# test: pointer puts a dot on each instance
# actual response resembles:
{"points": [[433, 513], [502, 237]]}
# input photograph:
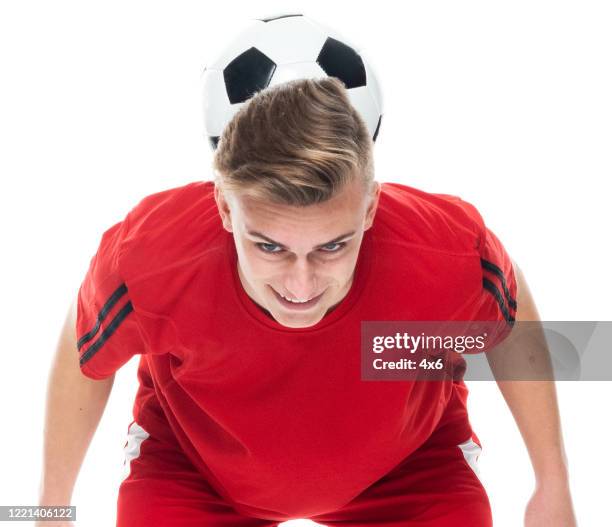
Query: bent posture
{"points": [[244, 296]]}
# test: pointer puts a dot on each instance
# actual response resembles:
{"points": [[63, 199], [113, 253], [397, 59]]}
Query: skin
{"points": [[533, 404], [74, 406], [301, 267]]}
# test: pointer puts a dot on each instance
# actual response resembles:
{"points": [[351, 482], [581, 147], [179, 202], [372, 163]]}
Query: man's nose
{"points": [[301, 280]]}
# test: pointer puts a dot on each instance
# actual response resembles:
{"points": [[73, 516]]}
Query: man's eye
{"points": [[272, 248], [269, 247], [333, 247]]}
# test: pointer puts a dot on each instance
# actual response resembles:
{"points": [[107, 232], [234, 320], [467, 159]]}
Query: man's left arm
{"points": [[533, 404]]}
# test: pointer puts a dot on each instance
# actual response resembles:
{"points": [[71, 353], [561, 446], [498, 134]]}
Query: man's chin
{"points": [[295, 325], [297, 320]]}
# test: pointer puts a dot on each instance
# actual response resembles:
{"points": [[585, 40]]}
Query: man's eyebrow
{"points": [[270, 240]]}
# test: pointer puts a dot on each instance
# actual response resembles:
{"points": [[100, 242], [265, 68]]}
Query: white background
{"points": [[506, 104]]}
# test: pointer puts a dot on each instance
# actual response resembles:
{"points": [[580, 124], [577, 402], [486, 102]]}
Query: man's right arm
{"points": [[74, 407]]}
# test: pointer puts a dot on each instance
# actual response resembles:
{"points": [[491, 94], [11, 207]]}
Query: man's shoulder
{"points": [[438, 221], [157, 208], [170, 226]]}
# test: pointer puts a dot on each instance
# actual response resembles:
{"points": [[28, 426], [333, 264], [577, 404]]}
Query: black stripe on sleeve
{"points": [[108, 331], [106, 308], [492, 288], [490, 266]]}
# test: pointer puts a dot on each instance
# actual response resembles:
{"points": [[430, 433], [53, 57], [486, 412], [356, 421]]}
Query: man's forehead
{"points": [[272, 220], [288, 225], [348, 200]]}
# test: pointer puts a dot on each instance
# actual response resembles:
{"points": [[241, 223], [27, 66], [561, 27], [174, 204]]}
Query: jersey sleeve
{"points": [[497, 287], [107, 331], [498, 299]]}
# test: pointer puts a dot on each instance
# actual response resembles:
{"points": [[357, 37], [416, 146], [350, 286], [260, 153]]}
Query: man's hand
{"points": [[550, 506]]}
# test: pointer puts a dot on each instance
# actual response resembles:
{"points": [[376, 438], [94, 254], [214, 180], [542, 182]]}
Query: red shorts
{"points": [[436, 486]]}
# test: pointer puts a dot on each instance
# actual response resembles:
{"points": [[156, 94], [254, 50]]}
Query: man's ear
{"points": [[224, 210], [373, 206]]}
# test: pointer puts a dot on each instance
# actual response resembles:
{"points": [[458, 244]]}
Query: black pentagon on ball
{"points": [[214, 141], [342, 61], [377, 129], [247, 74], [278, 17]]}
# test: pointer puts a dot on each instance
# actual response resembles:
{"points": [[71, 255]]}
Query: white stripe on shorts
{"points": [[136, 435], [471, 451]]}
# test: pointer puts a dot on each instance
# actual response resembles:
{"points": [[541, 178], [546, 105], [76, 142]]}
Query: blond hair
{"points": [[296, 143]]}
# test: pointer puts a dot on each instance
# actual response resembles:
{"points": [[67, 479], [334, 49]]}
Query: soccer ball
{"points": [[278, 49]]}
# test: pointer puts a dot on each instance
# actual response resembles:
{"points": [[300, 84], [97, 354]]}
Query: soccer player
{"points": [[244, 297]]}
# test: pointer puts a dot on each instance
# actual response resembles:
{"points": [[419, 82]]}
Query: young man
{"points": [[244, 297]]}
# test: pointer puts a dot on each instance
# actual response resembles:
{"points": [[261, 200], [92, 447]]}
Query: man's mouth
{"points": [[297, 304]]}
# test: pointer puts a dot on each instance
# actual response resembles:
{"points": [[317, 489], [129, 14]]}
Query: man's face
{"points": [[299, 253]]}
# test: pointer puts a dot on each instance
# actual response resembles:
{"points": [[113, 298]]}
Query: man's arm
{"points": [[74, 407], [533, 404]]}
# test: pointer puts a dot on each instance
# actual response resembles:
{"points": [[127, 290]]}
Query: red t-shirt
{"points": [[278, 418]]}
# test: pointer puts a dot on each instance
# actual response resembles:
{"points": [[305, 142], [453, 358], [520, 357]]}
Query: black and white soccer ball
{"points": [[278, 49]]}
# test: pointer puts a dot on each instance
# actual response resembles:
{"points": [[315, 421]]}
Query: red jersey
{"points": [[277, 418]]}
